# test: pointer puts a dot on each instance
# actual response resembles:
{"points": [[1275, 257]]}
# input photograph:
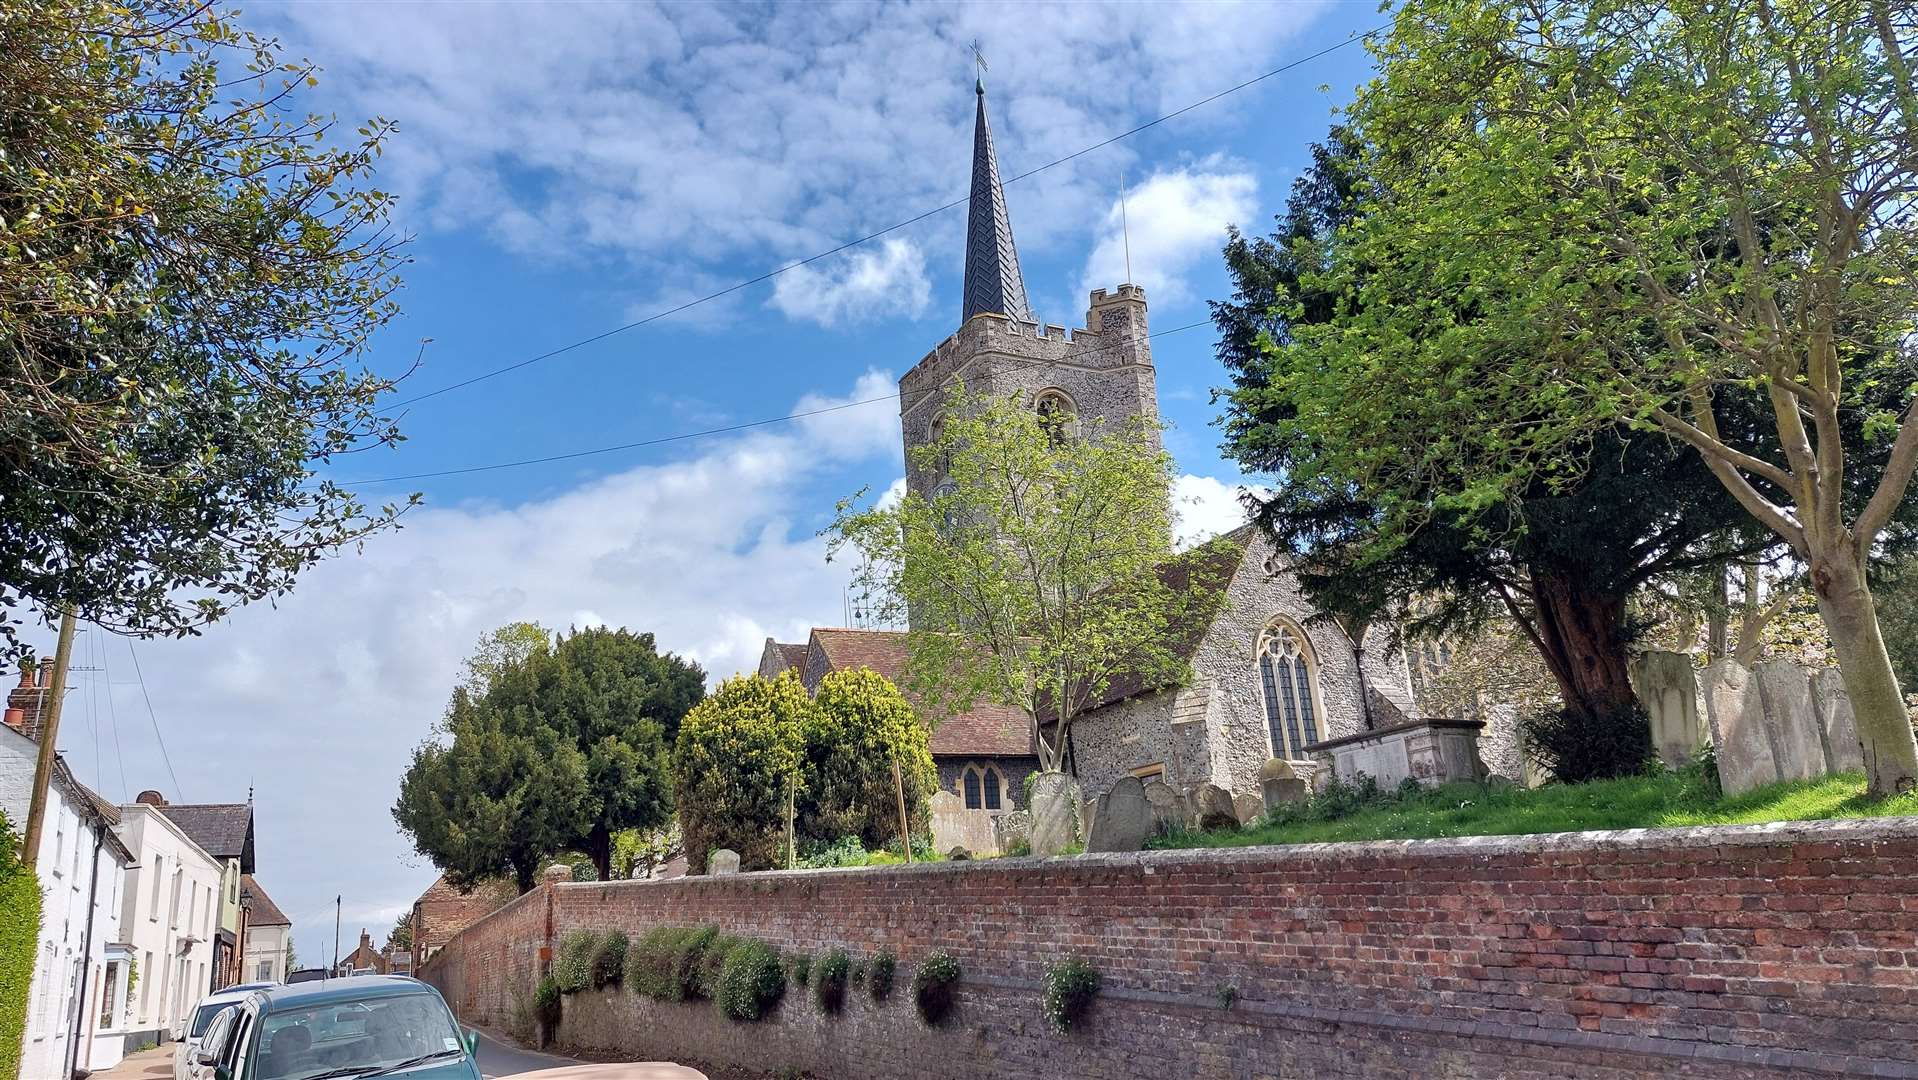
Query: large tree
{"points": [[564, 749], [190, 266], [1657, 212], [1560, 561], [1040, 573]]}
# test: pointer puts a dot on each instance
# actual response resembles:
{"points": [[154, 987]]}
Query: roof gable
{"points": [[223, 830], [261, 910]]}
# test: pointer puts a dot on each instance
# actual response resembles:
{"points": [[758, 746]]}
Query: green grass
{"points": [[1653, 801]]}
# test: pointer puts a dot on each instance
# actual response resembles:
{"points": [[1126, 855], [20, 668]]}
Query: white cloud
{"points": [[682, 140], [1203, 508], [869, 283], [1174, 219]]}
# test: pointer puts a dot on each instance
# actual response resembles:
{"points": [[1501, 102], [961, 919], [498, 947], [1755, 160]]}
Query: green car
{"points": [[363, 1026]]}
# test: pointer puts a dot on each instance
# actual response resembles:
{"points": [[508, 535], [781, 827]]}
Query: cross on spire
{"points": [[979, 66]]}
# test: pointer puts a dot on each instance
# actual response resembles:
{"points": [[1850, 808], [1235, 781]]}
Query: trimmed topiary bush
{"points": [[879, 974], [573, 967], [19, 938], [609, 960], [829, 978], [736, 754], [1071, 985], [711, 962], [751, 980], [932, 987]]}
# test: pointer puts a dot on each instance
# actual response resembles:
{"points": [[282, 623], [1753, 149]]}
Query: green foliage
{"points": [[850, 851], [860, 724], [19, 937], [1227, 994], [1008, 601], [673, 963], [932, 987], [829, 978], [499, 650], [400, 937], [709, 954], [565, 748], [879, 973], [1575, 748], [799, 968], [546, 1004], [750, 982], [608, 963], [738, 754], [573, 966], [637, 853], [191, 265], [1070, 986]]}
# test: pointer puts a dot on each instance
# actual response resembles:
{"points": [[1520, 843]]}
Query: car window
{"points": [[213, 1039], [236, 1040], [204, 1015], [375, 1033]]}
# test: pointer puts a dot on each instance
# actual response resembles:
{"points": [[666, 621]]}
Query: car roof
{"points": [[330, 991], [227, 996]]}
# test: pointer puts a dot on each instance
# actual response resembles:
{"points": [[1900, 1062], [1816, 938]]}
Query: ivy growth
{"points": [[1070, 984], [932, 987]]}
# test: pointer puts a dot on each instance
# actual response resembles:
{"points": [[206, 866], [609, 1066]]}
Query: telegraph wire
{"points": [[914, 220], [178, 794], [113, 715], [747, 426]]}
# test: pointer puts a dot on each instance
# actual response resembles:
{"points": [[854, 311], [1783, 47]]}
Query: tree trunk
{"points": [[599, 848], [525, 875], [1718, 636], [1582, 633], [1884, 726]]}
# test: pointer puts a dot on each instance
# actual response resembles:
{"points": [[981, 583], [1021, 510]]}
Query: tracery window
{"points": [[1057, 412], [1289, 678], [983, 787]]}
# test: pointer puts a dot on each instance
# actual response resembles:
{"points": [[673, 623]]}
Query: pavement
{"points": [[154, 1064]]}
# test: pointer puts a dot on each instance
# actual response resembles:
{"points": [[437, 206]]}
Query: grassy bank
{"points": [[1662, 800]]}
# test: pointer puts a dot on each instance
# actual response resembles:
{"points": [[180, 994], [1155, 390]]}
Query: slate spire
{"points": [[993, 281]]}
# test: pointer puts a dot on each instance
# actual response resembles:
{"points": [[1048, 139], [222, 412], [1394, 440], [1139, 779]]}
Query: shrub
{"points": [[573, 967], [546, 1007], [1071, 985], [19, 936], [649, 963], [736, 753], [829, 978], [932, 987], [707, 959], [846, 851], [859, 725], [750, 980], [1576, 748], [609, 960], [799, 968], [690, 959], [879, 974]]}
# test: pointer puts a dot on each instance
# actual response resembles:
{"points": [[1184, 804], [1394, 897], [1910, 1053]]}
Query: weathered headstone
{"points": [[1011, 829], [1123, 821], [1281, 784], [1843, 751], [1791, 723], [1668, 688], [1212, 805], [1168, 806], [1732, 708], [723, 861], [1247, 807], [1054, 810], [955, 826]]}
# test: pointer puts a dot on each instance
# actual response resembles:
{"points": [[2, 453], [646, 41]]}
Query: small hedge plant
{"points": [[1071, 985], [879, 974], [546, 1008], [932, 987], [669, 962], [751, 981], [799, 969], [19, 938], [609, 960], [573, 967], [829, 978]]}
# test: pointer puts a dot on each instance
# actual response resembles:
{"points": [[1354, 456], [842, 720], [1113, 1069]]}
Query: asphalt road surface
{"points": [[499, 1059]]}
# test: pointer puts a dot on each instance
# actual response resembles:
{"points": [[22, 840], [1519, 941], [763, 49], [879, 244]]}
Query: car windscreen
{"points": [[374, 1033], [205, 1014]]}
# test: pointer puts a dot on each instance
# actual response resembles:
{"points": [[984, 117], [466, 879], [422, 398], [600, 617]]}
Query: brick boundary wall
{"points": [[1738, 951]]}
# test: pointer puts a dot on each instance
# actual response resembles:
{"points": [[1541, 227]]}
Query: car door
{"points": [[239, 1041], [212, 1040]]}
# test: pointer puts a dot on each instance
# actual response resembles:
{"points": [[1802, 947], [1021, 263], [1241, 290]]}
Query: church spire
{"points": [[993, 281]]}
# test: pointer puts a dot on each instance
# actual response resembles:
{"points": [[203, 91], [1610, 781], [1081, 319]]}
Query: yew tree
{"points": [[1654, 211]]}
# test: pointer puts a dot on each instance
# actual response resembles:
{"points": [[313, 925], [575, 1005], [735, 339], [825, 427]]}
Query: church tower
{"points": [[1102, 372]]}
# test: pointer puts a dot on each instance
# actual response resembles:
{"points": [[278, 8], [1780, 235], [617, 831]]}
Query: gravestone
{"points": [[1054, 813], [1668, 688], [723, 861], [1123, 820], [1168, 807], [1281, 784], [1011, 829], [1738, 728], [955, 826], [1791, 724], [1212, 805], [1248, 808], [1843, 751]]}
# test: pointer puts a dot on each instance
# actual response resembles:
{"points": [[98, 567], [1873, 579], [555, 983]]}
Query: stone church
{"points": [[1269, 680]]}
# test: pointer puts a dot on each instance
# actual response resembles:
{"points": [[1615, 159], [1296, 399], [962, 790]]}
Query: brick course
{"points": [[1748, 951]]}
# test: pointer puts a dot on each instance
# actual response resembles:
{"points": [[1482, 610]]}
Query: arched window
{"points": [[972, 789], [983, 787], [1290, 681], [1057, 412]]}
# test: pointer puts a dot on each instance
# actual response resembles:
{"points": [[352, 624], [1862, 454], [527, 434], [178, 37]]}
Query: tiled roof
{"points": [[223, 830], [792, 655], [993, 281], [261, 910], [985, 730]]}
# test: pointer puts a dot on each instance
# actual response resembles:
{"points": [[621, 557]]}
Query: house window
{"points": [[109, 992], [153, 910], [983, 786], [1290, 682], [1057, 413]]}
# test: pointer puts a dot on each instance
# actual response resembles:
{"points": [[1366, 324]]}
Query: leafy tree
{"points": [[292, 958], [639, 853], [401, 936], [510, 645], [1656, 213], [1038, 574], [190, 267], [860, 724], [1557, 561], [737, 760], [564, 749]]}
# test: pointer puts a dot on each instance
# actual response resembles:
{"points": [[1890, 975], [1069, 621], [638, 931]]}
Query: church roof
{"points": [[993, 281], [985, 730]]}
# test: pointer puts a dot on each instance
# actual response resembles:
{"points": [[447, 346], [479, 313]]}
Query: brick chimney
{"points": [[27, 702], [151, 798]]}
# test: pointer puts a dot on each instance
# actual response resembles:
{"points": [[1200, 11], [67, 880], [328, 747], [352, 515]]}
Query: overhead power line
{"points": [[747, 426], [913, 220], [154, 717]]}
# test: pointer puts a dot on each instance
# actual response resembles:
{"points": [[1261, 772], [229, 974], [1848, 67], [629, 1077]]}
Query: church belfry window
{"points": [[1057, 413], [1289, 681]]}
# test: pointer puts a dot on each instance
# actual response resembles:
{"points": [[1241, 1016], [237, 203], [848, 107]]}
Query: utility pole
{"points": [[49, 734], [336, 937]]}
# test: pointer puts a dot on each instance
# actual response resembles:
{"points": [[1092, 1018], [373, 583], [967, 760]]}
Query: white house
{"points": [[266, 932], [79, 972], [168, 918]]}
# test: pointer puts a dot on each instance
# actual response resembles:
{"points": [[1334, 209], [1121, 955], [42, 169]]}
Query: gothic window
{"points": [[983, 786], [972, 789], [1289, 679], [1057, 412]]}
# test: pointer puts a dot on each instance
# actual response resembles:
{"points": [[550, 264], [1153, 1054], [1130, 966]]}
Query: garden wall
{"points": [[1745, 951]]}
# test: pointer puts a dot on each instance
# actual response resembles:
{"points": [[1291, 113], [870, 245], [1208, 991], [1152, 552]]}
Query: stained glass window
{"points": [[1287, 677]]}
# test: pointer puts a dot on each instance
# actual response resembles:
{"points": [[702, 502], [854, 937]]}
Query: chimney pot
{"points": [[151, 798], [17, 719]]}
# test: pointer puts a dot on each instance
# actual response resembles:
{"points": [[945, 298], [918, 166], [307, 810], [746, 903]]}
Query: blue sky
{"points": [[568, 169]]}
